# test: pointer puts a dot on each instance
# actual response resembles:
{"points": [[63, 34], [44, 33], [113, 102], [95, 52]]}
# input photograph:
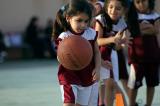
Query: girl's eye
{"points": [[86, 21], [80, 20], [110, 7], [118, 8]]}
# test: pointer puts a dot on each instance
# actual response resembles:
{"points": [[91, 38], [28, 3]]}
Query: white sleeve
{"points": [[99, 18], [89, 34], [63, 35]]}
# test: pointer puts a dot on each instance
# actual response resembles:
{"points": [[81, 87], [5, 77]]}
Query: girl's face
{"points": [[98, 8], [115, 9], [79, 22], [142, 6]]}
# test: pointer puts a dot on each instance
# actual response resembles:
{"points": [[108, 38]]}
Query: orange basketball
{"points": [[74, 52]]}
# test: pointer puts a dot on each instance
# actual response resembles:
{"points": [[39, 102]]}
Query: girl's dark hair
{"points": [[107, 21], [74, 8], [123, 2], [151, 4], [59, 23], [132, 20]]}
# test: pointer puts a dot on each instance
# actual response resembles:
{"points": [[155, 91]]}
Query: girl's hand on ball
{"points": [[96, 74]]}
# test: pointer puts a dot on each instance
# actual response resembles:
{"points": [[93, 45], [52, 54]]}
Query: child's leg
{"points": [[124, 84], [152, 80], [132, 93], [126, 89], [123, 73], [109, 92], [69, 104], [101, 94], [111, 89], [135, 81], [114, 76], [104, 75], [150, 95]]}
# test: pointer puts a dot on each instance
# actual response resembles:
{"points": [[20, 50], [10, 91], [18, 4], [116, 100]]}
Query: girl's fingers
{"points": [[93, 73], [96, 75]]}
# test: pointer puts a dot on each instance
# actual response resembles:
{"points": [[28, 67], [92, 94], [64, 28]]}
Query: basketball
{"points": [[74, 52]]}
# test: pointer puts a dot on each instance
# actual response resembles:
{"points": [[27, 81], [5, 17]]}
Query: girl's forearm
{"points": [[97, 56], [105, 41]]}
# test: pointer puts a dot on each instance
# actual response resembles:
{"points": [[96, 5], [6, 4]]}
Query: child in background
{"points": [[78, 88], [112, 33], [144, 58], [98, 7]]}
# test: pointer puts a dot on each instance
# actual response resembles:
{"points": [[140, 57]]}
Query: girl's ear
{"points": [[68, 18]]}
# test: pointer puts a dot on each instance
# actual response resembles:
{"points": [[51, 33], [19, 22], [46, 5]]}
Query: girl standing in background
{"points": [[112, 35], [144, 58]]}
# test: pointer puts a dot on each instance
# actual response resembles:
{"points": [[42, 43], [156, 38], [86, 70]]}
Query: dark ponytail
{"points": [[151, 4], [60, 22], [132, 20]]}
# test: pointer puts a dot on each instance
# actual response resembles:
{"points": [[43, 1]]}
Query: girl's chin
{"points": [[114, 18], [80, 31]]}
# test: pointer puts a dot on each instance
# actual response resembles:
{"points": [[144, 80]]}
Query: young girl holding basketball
{"points": [[78, 88], [112, 35], [144, 53]]}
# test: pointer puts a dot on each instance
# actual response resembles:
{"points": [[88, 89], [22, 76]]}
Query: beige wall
{"points": [[15, 14]]}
